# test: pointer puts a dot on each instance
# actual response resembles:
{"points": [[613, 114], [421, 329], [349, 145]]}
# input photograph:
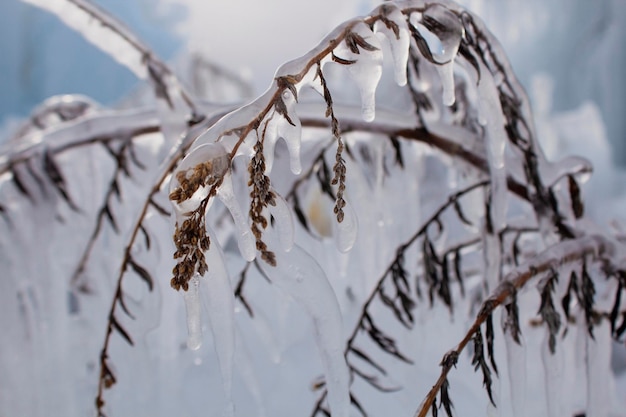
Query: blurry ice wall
{"points": [[40, 56]]}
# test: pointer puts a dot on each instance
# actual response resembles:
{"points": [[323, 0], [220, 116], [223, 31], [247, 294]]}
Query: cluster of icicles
{"points": [[296, 271]]}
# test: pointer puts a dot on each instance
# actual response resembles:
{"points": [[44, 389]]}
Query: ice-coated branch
{"points": [[595, 248], [113, 38]]}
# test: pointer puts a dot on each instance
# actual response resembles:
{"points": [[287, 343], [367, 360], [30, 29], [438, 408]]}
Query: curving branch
{"points": [[594, 247]]}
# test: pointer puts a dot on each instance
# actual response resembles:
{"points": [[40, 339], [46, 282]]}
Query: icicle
{"points": [[553, 373], [446, 74], [599, 373], [492, 258], [284, 123], [516, 360], [346, 231], [367, 68], [283, 221], [298, 274], [217, 294], [245, 240], [292, 133], [496, 139], [399, 44], [442, 30], [194, 322], [214, 158]]}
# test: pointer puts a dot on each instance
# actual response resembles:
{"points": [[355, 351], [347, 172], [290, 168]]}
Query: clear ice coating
{"points": [[346, 231], [553, 375], [399, 44], [367, 68], [447, 29], [215, 157], [284, 222], [218, 297], [516, 360], [299, 274], [245, 240], [286, 126], [194, 312], [442, 30], [496, 139]]}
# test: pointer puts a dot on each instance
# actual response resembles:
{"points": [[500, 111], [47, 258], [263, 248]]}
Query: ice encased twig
{"points": [[399, 44], [212, 153], [367, 68]]}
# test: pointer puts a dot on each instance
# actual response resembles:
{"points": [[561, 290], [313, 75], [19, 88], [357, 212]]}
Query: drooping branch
{"points": [[596, 247]]}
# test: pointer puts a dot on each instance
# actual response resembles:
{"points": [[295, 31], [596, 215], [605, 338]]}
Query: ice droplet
{"points": [[314, 293], [217, 294], [346, 231], [399, 44], [215, 158], [245, 240], [194, 322], [367, 68], [447, 30]]}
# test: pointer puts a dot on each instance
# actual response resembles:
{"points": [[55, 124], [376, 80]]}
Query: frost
{"points": [[367, 68], [298, 274], [245, 240]]}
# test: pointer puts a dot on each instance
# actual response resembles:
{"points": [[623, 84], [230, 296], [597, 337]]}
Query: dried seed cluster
{"points": [[191, 242], [339, 179], [190, 237], [201, 175], [261, 196]]}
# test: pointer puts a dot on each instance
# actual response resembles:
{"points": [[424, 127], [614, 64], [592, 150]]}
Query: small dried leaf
{"points": [[342, 61], [143, 273], [115, 325]]}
